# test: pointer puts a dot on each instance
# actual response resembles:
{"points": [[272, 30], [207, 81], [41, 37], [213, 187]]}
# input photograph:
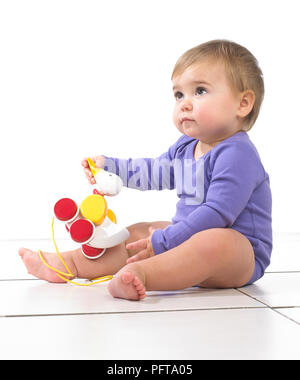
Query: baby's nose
{"points": [[186, 105]]}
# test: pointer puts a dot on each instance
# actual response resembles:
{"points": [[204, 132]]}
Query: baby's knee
{"points": [[211, 241], [138, 231]]}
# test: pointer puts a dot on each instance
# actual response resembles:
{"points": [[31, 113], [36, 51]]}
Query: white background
{"points": [[93, 77]]}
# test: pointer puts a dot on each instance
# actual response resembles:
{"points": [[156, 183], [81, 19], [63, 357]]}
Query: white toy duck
{"points": [[93, 225]]}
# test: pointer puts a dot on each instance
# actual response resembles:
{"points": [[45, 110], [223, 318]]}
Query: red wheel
{"points": [[82, 231], [65, 209], [92, 252]]}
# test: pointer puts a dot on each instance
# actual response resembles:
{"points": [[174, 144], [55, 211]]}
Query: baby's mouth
{"points": [[186, 119]]}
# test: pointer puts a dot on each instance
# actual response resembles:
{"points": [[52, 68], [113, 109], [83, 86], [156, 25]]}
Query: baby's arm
{"points": [[235, 174], [141, 173], [145, 173]]}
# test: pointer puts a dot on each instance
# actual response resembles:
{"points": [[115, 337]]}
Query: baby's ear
{"points": [[247, 100]]}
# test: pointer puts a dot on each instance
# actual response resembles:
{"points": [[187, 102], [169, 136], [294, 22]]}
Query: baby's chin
{"points": [[193, 132], [199, 132], [206, 135]]}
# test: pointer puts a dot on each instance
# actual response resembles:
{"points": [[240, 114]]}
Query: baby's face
{"points": [[206, 107]]}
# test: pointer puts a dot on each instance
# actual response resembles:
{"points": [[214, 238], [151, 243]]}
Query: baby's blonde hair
{"points": [[241, 67]]}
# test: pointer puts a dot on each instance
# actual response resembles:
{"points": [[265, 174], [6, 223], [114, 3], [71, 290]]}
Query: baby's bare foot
{"points": [[128, 284], [37, 268]]}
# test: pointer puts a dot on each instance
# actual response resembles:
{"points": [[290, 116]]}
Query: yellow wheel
{"points": [[94, 208]]}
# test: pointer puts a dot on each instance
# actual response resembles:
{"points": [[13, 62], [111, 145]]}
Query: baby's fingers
{"points": [[91, 179], [139, 244], [139, 256], [88, 174], [85, 163]]}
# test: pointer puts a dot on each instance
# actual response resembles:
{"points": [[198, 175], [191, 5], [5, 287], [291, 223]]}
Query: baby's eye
{"points": [[178, 95], [200, 91]]}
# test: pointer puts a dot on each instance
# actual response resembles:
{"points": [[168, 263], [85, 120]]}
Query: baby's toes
{"points": [[127, 277], [140, 288]]}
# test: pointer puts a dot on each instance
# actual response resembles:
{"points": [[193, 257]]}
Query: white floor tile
{"points": [[291, 312], [206, 334], [36, 297], [52, 321], [276, 289]]}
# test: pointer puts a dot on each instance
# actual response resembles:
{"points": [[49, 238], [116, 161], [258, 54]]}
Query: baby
{"points": [[221, 235]]}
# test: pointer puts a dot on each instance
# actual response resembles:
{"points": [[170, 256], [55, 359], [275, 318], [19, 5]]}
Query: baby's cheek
{"points": [[176, 120], [205, 116]]}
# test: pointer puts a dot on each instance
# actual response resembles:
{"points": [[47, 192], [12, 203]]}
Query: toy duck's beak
{"points": [[93, 167]]}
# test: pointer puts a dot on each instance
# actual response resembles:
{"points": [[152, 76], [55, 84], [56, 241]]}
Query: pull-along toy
{"points": [[92, 224]]}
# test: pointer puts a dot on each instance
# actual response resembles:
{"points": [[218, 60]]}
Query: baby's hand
{"points": [[99, 163], [145, 247]]}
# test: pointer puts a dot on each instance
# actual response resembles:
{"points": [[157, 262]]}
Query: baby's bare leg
{"points": [[218, 258], [110, 263], [114, 258]]}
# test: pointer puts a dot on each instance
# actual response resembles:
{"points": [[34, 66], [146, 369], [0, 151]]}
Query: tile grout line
{"points": [[290, 271], [271, 308], [30, 279], [129, 312], [283, 315], [256, 299]]}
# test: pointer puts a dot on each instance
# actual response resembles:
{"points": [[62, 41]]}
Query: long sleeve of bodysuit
{"points": [[234, 172], [145, 173]]}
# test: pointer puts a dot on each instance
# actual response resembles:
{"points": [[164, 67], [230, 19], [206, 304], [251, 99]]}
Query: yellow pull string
{"points": [[57, 251], [93, 282], [54, 269], [69, 274]]}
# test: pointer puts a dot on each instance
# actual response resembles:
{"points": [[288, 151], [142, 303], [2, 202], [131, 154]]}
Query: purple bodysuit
{"points": [[226, 188]]}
